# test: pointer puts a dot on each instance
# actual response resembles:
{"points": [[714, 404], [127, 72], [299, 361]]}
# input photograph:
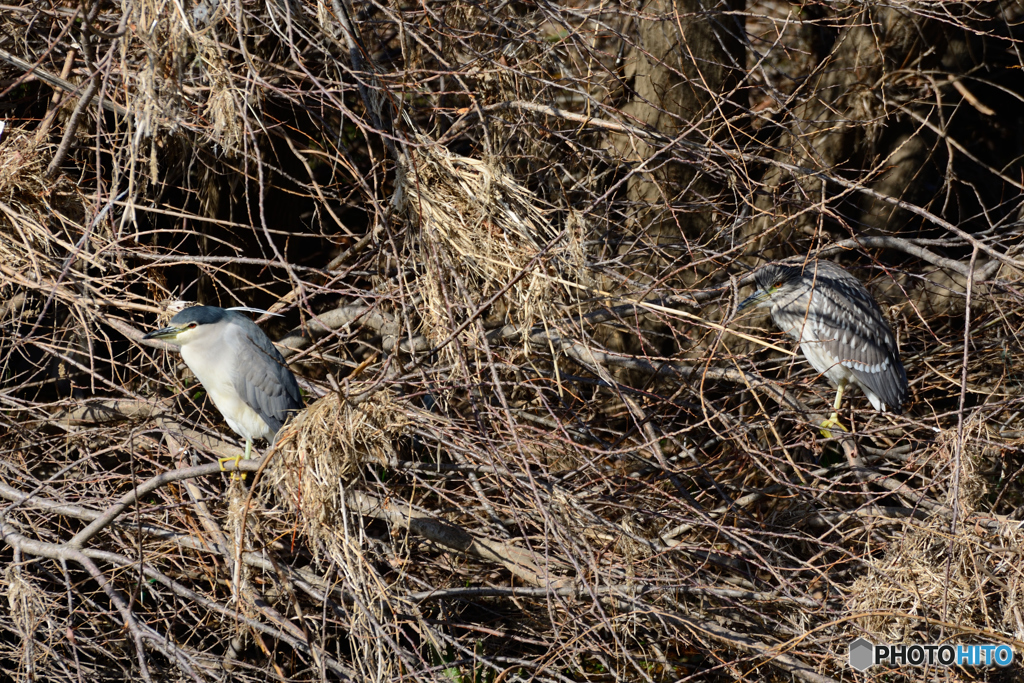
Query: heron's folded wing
{"points": [[263, 380], [863, 341]]}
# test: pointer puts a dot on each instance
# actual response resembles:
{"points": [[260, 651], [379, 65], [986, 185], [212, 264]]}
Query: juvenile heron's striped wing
{"points": [[853, 331]]}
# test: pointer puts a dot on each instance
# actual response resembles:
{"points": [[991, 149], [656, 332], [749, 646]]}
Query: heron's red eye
{"points": [[191, 326]]}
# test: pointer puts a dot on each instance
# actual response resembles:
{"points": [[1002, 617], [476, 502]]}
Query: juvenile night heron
{"points": [[841, 330], [239, 367]]}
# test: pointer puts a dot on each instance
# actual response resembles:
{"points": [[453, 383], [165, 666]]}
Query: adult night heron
{"points": [[239, 367], [841, 330]]}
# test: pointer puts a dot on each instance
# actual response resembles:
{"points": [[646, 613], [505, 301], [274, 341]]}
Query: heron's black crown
{"points": [[773, 275], [203, 315]]}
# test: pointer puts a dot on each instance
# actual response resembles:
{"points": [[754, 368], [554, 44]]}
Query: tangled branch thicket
{"points": [[505, 242]]}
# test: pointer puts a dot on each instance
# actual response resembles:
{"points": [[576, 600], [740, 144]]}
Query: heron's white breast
{"points": [[213, 373]]}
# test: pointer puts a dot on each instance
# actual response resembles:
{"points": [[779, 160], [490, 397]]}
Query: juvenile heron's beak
{"points": [[755, 299], [167, 333]]}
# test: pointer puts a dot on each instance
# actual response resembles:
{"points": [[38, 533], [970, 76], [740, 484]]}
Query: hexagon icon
{"points": [[862, 654]]}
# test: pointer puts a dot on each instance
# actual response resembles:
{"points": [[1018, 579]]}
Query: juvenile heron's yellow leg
{"points": [[238, 458], [834, 420]]}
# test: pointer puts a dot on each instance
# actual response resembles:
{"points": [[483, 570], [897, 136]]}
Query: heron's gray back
{"points": [[259, 373], [841, 316]]}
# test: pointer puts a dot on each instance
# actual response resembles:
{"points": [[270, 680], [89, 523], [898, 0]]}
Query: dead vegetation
{"points": [[506, 240]]}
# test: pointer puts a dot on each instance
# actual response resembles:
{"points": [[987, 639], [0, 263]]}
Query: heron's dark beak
{"points": [[167, 333], [755, 299]]}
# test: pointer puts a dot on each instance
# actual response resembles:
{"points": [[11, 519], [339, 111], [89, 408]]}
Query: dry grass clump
{"points": [[29, 608], [480, 230], [321, 452], [971, 489], [927, 571], [39, 226], [1012, 598], [21, 165], [924, 572], [26, 198]]}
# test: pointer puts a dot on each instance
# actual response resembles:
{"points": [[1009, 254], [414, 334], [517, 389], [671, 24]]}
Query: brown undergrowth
{"points": [[531, 448]]}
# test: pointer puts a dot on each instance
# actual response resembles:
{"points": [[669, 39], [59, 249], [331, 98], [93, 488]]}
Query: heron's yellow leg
{"points": [[238, 458], [834, 420]]}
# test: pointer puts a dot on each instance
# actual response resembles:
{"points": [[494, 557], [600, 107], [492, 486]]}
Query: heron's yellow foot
{"points": [[237, 460], [830, 423]]}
